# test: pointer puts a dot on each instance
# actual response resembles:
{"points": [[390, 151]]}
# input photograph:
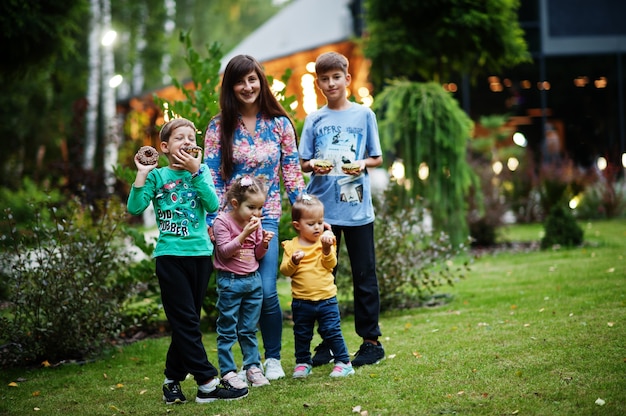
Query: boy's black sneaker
{"points": [[173, 394], [368, 354], [323, 355], [221, 393]]}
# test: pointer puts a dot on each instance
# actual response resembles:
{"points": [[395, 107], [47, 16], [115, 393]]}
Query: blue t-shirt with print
{"points": [[342, 136]]}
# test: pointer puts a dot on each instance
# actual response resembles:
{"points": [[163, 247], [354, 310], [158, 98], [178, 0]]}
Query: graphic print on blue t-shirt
{"points": [[341, 147]]}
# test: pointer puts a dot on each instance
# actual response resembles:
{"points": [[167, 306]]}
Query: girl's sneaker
{"points": [[301, 370], [231, 379], [342, 370], [256, 378]]}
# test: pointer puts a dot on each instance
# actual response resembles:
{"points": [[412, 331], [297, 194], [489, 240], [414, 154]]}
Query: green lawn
{"points": [[527, 333]]}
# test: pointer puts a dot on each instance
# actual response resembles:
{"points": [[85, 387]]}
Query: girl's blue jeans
{"points": [[239, 300]]}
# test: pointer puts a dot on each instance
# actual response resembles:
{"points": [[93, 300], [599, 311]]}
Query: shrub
{"points": [[411, 262], [64, 295], [561, 229]]}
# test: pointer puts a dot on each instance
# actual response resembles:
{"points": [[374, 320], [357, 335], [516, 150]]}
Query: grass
{"points": [[527, 333]]}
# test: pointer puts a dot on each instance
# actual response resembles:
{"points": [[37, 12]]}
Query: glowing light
{"points": [[115, 81], [512, 164], [293, 105], [363, 92], [309, 96], [600, 82], [624, 160], [397, 169], [109, 37], [423, 171], [277, 86], [519, 139], [601, 163], [497, 167], [367, 101], [573, 203], [310, 67], [525, 84], [581, 81]]}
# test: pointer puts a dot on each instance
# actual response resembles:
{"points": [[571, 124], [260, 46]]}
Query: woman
{"points": [[253, 135]]}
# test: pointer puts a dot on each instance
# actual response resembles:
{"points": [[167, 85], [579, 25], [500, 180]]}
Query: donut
{"points": [[351, 167], [147, 155], [193, 150]]}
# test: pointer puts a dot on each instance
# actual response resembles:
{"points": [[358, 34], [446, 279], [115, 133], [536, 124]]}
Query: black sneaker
{"points": [[173, 394], [323, 355], [221, 393], [368, 354]]}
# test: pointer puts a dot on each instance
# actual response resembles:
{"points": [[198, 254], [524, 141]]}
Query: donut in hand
{"points": [[147, 155]]}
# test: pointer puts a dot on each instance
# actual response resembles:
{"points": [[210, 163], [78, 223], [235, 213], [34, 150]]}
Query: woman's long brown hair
{"points": [[237, 68]]}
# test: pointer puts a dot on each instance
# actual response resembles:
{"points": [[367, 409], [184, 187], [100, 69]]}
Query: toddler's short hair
{"points": [[305, 203], [166, 130], [329, 61]]}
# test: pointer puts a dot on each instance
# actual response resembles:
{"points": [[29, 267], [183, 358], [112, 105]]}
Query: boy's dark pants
{"points": [[184, 282], [360, 245]]}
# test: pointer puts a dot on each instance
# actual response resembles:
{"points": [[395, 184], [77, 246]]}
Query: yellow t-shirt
{"points": [[312, 278]]}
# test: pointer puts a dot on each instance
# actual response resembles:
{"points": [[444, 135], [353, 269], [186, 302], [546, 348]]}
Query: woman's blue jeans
{"points": [[271, 322]]}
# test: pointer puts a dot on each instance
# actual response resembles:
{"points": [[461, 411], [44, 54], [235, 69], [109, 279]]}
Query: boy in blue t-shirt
{"points": [[339, 141]]}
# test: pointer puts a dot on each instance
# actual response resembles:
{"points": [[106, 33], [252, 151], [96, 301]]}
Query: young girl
{"points": [[309, 260], [241, 242]]}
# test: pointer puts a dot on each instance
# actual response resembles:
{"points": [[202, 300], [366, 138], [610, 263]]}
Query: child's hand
{"points": [[328, 239], [187, 161], [252, 225], [144, 168], [297, 256], [267, 236]]}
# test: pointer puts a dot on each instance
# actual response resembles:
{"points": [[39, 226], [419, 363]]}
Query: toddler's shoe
{"points": [[256, 378], [342, 370], [301, 370]]}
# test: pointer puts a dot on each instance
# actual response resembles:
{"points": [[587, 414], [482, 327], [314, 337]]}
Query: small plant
{"points": [[561, 229], [411, 262], [63, 293]]}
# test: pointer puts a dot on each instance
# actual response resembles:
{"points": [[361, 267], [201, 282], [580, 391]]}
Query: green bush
{"points": [[411, 262], [561, 229], [64, 295]]}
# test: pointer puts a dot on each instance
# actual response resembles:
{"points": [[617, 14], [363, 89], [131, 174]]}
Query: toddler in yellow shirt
{"points": [[309, 259]]}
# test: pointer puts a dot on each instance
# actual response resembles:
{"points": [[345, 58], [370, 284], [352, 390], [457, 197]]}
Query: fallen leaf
{"points": [[364, 413], [391, 356], [407, 326], [542, 309], [513, 306], [36, 393], [461, 393], [104, 375], [526, 325], [610, 324], [356, 409], [143, 391], [600, 402], [13, 384], [45, 363], [611, 270], [514, 412], [36, 409], [417, 354], [119, 386]]}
